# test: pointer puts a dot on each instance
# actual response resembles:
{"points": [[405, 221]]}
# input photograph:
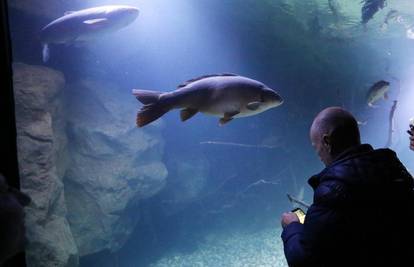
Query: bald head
{"points": [[333, 131]]}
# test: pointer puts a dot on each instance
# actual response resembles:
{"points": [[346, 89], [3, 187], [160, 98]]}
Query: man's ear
{"points": [[326, 140]]}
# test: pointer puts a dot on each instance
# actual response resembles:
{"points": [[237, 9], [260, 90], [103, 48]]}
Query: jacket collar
{"points": [[348, 154]]}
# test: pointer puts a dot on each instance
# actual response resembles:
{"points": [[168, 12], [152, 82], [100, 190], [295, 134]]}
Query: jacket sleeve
{"points": [[304, 244]]}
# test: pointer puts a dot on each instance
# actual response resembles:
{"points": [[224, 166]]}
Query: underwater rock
{"points": [[192, 175], [41, 143], [113, 165], [187, 182]]}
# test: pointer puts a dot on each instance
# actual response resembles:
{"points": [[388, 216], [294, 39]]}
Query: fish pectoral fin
{"points": [[253, 105], [187, 113], [95, 21], [230, 114], [224, 120]]}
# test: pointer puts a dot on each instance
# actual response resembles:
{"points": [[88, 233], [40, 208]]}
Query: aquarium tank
{"points": [[118, 177]]}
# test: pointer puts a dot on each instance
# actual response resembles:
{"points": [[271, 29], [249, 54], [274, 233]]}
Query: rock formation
{"points": [[84, 163], [41, 153], [113, 165]]}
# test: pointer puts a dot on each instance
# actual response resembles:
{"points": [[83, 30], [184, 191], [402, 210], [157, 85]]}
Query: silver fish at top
{"points": [[377, 91], [86, 24], [369, 9], [226, 96]]}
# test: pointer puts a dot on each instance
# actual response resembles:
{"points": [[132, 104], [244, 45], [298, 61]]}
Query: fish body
{"points": [[369, 9], [377, 91], [391, 15], [226, 96], [86, 24]]}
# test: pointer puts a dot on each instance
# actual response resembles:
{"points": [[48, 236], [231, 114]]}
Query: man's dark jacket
{"points": [[362, 214]]}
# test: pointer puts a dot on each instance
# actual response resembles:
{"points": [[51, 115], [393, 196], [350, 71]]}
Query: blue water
{"points": [[226, 186]]}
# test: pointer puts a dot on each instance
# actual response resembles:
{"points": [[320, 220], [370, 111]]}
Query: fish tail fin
{"points": [[146, 96], [150, 113], [153, 108], [45, 53]]}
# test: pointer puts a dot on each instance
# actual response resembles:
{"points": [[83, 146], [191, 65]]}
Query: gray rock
{"points": [[40, 141], [190, 178], [83, 162], [187, 183], [113, 165]]}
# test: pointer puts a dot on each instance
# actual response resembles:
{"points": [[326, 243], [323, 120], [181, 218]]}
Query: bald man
{"points": [[363, 205]]}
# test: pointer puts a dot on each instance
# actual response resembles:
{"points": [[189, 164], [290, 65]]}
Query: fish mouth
{"points": [[129, 15], [270, 96], [132, 11], [277, 100], [280, 100]]}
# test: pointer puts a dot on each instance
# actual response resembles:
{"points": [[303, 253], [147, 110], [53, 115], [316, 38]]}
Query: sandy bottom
{"points": [[263, 248]]}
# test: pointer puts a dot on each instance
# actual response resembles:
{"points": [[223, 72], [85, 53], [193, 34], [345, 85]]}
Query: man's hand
{"points": [[289, 217]]}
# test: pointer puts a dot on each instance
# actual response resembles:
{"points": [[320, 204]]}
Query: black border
{"points": [[8, 145]]}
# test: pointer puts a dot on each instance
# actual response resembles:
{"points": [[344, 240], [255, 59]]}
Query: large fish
{"points": [[377, 91], [86, 24], [369, 9], [227, 96]]}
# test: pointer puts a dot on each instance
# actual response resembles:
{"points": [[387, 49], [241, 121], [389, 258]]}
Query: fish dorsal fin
{"points": [[95, 21], [184, 84], [68, 12]]}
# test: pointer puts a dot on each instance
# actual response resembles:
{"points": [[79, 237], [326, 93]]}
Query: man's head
{"points": [[333, 131]]}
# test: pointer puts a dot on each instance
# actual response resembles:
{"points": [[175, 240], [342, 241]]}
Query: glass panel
{"points": [[201, 192]]}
